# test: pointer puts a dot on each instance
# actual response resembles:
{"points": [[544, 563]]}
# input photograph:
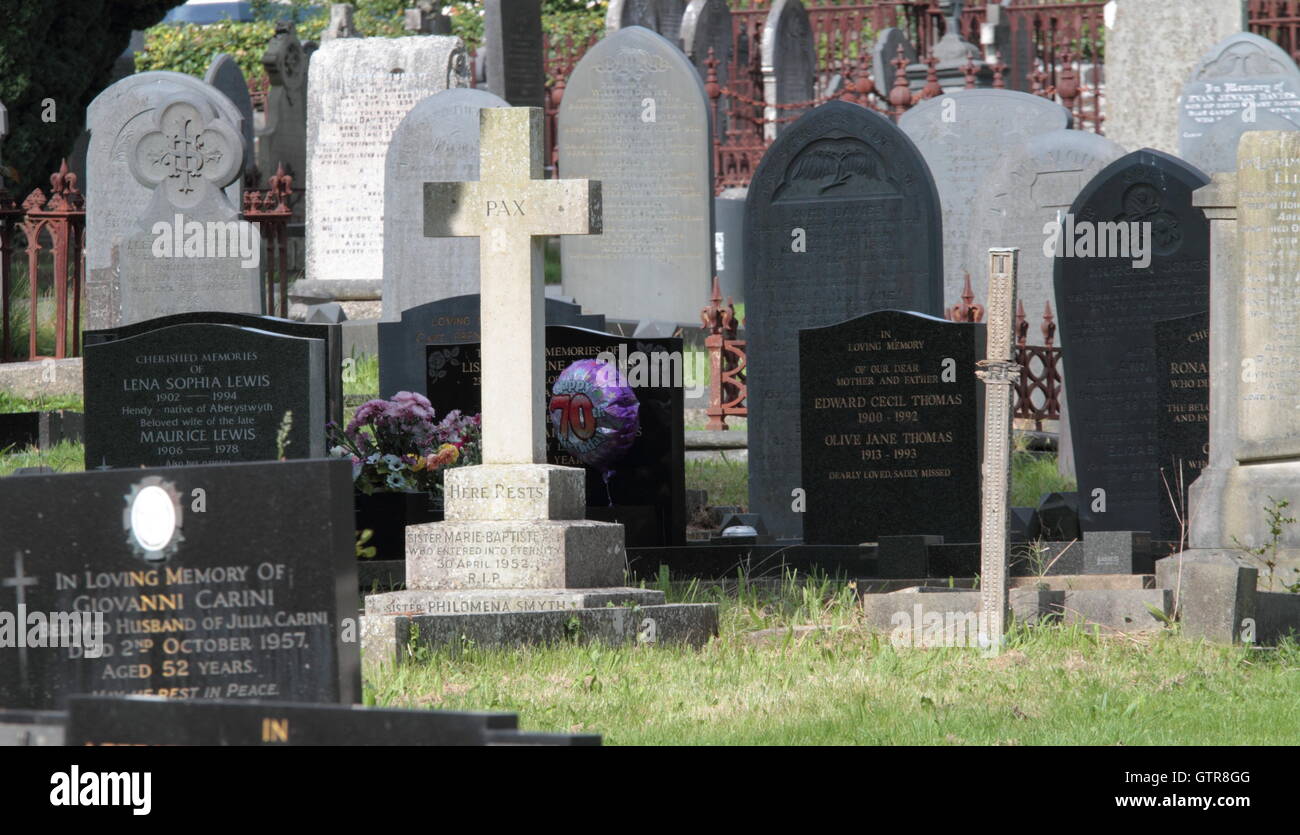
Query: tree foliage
{"points": [[59, 53]]}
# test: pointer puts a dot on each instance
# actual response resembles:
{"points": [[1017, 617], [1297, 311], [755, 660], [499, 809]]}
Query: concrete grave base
{"points": [[42, 378], [1121, 609], [396, 638], [32, 727]]}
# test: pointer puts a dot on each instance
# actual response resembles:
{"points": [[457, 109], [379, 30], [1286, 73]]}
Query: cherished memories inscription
{"points": [[157, 400]]}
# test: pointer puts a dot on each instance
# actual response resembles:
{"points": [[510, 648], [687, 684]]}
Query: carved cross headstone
{"points": [[187, 156], [509, 208], [999, 373]]}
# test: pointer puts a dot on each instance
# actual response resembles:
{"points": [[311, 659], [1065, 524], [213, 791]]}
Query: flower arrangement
{"points": [[396, 444]]}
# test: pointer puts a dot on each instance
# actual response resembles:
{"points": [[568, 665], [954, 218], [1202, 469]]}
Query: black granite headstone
{"points": [[647, 492], [842, 219], [332, 334], [103, 720], [513, 37], [451, 320], [232, 581], [40, 429], [1183, 430], [890, 421], [201, 393], [1108, 301]]}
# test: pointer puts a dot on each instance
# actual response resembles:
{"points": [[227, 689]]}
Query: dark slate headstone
{"points": [[402, 361], [648, 490], [105, 720], [40, 429], [707, 26], [890, 418], [1183, 429], [1244, 83], [1058, 517], [513, 36], [789, 55], [203, 393], [883, 55], [963, 136], [842, 219], [224, 74], [1107, 308], [231, 581]]}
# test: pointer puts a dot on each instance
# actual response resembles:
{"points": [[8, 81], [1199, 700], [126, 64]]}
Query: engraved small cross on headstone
{"points": [[999, 373], [509, 209], [19, 583]]}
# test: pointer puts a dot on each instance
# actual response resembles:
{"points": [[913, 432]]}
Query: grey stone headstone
{"points": [[1244, 83], [283, 139], [437, 142], [330, 313], [962, 136], [340, 25], [513, 38], [653, 329], [224, 74], [841, 167], [1032, 184], [789, 58], [662, 16], [729, 243], [884, 53], [116, 199], [634, 117], [359, 90]]}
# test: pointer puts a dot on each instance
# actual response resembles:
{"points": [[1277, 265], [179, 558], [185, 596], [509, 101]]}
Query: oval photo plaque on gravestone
{"points": [[1108, 303], [842, 219]]}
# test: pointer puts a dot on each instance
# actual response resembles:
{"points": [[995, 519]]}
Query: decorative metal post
{"points": [[1000, 374]]}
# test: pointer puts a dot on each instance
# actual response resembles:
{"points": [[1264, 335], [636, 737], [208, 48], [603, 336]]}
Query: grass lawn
{"points": [[764, 682]]}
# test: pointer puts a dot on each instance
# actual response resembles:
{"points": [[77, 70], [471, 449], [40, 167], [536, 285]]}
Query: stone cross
{"points": [[509, 209], [999, 373]]}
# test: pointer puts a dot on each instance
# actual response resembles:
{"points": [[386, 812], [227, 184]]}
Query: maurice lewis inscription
{"points": [[155, 400]]}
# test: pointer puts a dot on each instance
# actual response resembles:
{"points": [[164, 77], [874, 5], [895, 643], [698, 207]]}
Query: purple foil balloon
{"points": [[594, 414]]}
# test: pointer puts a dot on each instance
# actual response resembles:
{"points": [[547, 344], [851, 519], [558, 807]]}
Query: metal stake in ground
{"points": [[999, 373]]}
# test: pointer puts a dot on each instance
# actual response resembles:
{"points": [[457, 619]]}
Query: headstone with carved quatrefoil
{"points": [[115, 197], [189, 251]]}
